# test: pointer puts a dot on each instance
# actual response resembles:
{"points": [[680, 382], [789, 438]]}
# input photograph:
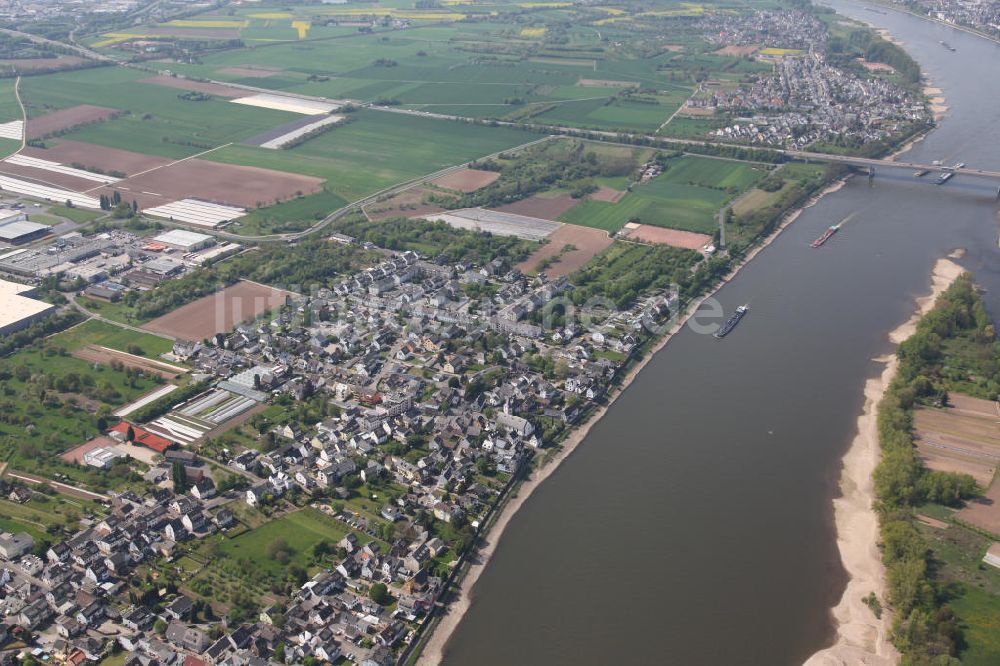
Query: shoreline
{"points": [[433, 650], [860, 636]]}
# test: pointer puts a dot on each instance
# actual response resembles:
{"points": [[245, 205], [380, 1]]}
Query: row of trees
{"points": [[924, 628]]}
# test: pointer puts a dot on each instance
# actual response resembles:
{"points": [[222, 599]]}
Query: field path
{"points": [[24, 114], [62, 488]]}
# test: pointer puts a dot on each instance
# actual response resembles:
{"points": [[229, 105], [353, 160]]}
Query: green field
{"points": [[301, 530], [159, 122], [232, 567], [9, 108], [379, 149], [111, 336], [44, 512], [688, 196], [978, 613], [50, 402], [78, 215], [294, 215]]}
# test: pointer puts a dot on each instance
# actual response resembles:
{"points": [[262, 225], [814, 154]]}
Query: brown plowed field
{"points": [[198, 86], [547, 208], [671, 237], [588, 243], [104, 356], [232, 184], [405, 204], [984, 512], [106, 159], [738, 51], [466, 180], [67, 118], [608, 194], [964, 438], [219, 312]]}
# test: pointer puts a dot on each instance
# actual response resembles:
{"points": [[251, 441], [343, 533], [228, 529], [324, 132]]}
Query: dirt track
{"points": [[103, 355]]}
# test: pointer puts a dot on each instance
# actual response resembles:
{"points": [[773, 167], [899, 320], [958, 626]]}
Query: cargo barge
{"points": [[733, 320], [827, 235]]}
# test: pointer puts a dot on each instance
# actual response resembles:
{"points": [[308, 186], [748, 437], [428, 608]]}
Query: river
{"points": [[694, 524]]}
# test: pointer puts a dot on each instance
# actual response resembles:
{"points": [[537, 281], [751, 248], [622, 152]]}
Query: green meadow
{"points": [[378, 149], [688, 196]]}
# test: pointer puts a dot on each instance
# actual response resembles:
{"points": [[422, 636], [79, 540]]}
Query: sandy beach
{"points": [[462, 598], [861, 637]]}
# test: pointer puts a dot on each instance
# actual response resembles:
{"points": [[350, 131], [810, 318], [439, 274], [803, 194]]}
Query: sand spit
{"points": [[861, 637]]}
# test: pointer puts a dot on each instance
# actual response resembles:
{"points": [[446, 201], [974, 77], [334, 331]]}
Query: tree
{"points": [[117, 197], [160, 627], [179, 475], [130, 434], [379, 593]]}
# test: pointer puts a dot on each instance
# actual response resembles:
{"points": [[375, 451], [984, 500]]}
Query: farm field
{"points": [[568, 249], [687, 196], [93, 332], [377, 150], [219, 312]]}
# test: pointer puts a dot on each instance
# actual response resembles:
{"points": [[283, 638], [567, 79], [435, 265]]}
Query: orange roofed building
{"points": [[142, 437]]}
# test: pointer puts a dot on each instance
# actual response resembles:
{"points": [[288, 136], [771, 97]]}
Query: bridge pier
{"points": [[871, 176]]}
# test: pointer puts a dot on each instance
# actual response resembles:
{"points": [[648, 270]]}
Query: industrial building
{"points": [[103, 457], [186, 241], [15, 229], [18, 310]]}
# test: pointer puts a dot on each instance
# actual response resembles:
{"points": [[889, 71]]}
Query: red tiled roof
{"points": [[144, 438]]}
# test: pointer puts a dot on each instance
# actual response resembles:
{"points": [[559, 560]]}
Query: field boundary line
{"points": [[162, 166]]}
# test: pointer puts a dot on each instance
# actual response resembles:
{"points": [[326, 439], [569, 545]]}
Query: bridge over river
{"points": [[889, 164]]}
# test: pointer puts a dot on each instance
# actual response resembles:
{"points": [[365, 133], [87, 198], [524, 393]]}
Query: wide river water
{"points": [[694, 524]]}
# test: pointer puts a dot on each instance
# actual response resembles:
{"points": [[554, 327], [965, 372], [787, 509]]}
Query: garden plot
{"points": [[192, 420]]}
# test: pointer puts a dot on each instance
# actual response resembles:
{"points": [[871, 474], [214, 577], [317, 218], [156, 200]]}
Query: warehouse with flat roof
{"points": [[18, 310], [15, 229], [181, 239]]}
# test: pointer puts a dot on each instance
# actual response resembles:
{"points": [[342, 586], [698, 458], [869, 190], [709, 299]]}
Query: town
{"points": [[433, 385]]}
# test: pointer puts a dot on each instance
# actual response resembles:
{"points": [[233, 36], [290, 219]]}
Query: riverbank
{"points": [[433, 650], [861, 636]]}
